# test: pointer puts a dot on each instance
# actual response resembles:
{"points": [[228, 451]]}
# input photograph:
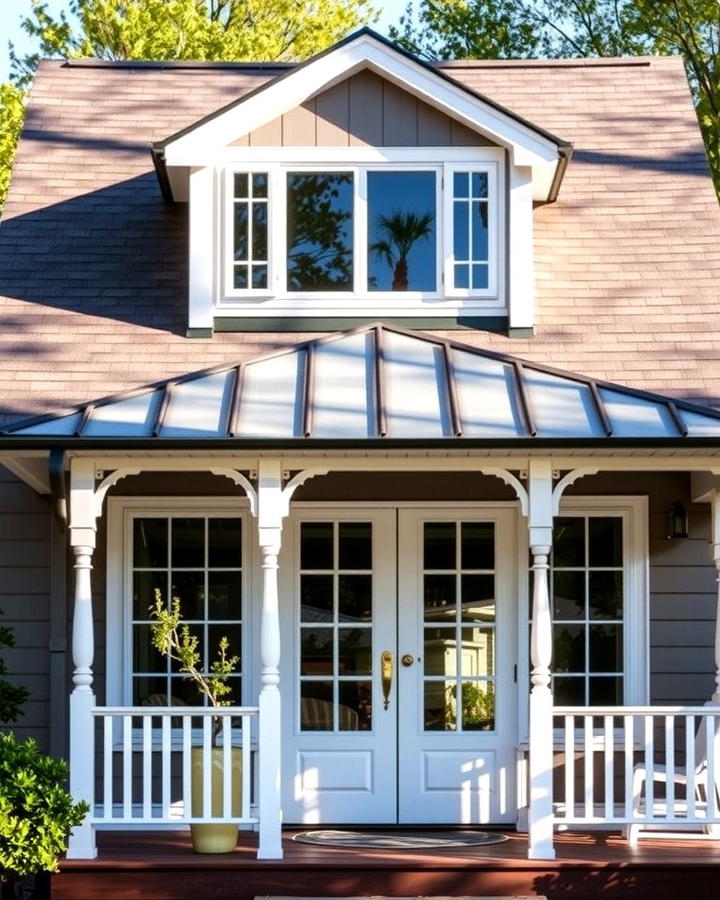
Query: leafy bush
{"points": [[12, 696], [36, 812]]}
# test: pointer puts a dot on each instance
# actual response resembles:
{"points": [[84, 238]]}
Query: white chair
{"points": [[661, 775]]}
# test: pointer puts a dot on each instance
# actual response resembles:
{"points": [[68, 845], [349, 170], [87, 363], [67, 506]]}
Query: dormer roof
{"points": [[210, 138]]}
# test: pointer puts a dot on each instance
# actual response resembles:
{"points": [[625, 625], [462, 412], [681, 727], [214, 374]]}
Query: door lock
{"points": [[407, 659]]}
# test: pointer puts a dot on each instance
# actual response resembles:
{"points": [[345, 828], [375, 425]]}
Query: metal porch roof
{"points": [[380, 382]]}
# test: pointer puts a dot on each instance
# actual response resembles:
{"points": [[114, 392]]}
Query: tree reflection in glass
{"points": [[320, 231], [401, 231]]}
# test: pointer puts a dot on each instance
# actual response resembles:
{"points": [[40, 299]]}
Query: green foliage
{"points": [[497, 29], [36, 812], [266, 30], [12, 696], [12, 112], [478, 706], [173, 638]]}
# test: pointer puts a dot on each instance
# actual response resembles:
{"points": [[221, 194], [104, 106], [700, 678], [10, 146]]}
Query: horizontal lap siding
{"points": [[25, 599]]}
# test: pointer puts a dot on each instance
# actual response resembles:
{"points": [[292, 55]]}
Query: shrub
{"points": [[36, 811]]}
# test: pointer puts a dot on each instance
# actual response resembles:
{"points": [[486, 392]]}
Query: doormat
{"points": [[409, 840]]}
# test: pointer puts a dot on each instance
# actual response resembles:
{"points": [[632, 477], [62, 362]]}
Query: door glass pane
{"points": [[440, 706], [569, 646], [454, 647], [225, 543], [568, 595], [144, 586], [606, 650], [569, 691], [478, 706], [402, 252], [150, 543], [569, 542], [605, 541], [224, 595], [334, 654], [188, 543], [320, 231], [606, 595]]}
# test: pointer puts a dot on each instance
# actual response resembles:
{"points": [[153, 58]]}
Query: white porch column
{"points": [[82, 699], [540, 756], [270, 515]]}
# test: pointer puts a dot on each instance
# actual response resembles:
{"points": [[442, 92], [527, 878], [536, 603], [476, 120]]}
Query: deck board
{"points": [[162, 866]]}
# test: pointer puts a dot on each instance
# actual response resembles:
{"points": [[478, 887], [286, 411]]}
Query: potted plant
{"points": [[36, 815], [173, 638]]}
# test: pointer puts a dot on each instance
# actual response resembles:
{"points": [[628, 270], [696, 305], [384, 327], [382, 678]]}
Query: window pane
{"points": [[569, 691], [479, 224], [145, 657], [440, 656], [188, 542], [461, 231], [149, 691], [479, 185], [224, 595], [440, 706], [478, 706], [354, 651], [259, 277], [606, 691], [150, 543], [569, 542], [355, 545], [606, 650], [259, 231], [478, 598], [320, 231], [355, 709], [241, 184], [189, 587], [234, 635], [144, 585], [462, 276], [316, 545], [568, 595], [439, 545], [605, 540], [241, 232], [470, 230], [316, 598], [316, 651], [240, 277], [401, 231], [477, 654], [461, 184], [569, 647], [316, 706], [440, 597], [606, 595], [477, 548], [260, 184], [479, 277], [354, 598], [225, 543]]}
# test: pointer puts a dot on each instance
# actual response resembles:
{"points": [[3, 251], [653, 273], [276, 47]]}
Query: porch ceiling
{"points": [[384, 384]]}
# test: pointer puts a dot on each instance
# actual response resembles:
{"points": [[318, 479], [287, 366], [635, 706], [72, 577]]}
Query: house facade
{"points": [[404, 379]]}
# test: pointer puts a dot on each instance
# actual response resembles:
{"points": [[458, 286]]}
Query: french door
{"points": [[398, 665]]}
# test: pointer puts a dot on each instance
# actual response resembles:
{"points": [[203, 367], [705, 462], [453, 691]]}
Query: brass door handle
{"points": [[386, 673]]}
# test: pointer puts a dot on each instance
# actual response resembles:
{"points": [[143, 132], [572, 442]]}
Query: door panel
{"points": [[456, 700], [338, 617]]}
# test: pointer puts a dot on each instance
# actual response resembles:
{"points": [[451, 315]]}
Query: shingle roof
{"points": [[93, 268], [380, 383]]}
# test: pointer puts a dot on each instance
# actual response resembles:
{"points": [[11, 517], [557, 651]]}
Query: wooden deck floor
{"points": [[589, 866]]}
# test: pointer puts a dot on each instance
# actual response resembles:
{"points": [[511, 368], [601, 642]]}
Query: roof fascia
{"points": [[530, 145]]}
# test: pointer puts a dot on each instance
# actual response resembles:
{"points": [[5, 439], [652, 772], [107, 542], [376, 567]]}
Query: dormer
{"points": [[362, 184]]}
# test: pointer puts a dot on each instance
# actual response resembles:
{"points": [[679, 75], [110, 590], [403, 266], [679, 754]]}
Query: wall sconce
{"points": [[677, 521]]}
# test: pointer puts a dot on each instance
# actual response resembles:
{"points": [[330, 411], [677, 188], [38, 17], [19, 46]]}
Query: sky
{"points": [[11, 12]]}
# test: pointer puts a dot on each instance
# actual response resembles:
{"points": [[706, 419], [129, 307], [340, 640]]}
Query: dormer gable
{"points": [[361, 184]]}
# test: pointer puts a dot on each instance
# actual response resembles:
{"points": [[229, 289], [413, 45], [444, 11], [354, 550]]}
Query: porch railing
{"points": [[147, 758], [639, 765]]}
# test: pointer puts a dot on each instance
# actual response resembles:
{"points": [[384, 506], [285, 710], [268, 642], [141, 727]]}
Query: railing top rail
{"points": [[232, 711], [709, 710]]}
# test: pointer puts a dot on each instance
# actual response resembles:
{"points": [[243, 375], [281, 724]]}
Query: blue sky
{"points": [[11, 12]]}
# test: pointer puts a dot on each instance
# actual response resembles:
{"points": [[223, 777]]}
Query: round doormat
{"points": [[409, 840]]}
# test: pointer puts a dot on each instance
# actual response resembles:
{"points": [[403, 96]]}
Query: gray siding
{"points": [[362, 110], [25, 599]]}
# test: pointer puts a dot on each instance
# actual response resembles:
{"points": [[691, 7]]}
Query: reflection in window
{"points": [[470, 230], [320, 231], [401, 231]]}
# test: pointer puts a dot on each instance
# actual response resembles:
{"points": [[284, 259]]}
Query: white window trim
{"points": [[118, 643], [636, 651], [276, 301]]}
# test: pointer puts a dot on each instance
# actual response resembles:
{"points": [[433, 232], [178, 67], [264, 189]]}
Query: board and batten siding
{"points": [[363, 110]]}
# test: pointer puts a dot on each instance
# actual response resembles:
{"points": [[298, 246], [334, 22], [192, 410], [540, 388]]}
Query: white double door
{"points": [[398, 671]]}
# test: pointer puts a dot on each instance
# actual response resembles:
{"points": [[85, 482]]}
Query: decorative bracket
{"points": [[294, 483], [565, 482], [242, 482], [513, 481], [107, 483]]}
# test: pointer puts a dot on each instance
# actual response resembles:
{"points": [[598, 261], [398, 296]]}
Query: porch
{"points": [[589, 865]]}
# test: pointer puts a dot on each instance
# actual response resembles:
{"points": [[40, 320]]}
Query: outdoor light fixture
{"points": [[677, 521]]}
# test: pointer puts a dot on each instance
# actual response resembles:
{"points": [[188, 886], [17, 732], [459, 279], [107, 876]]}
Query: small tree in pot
{"points": [[173, 638]]}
